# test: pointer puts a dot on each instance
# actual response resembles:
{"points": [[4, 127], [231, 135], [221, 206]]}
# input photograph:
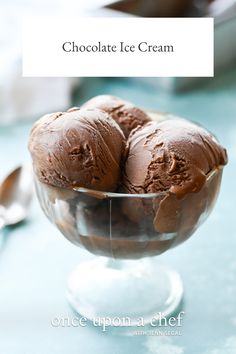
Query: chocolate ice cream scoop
{"points": [[174, 156], [123, 112], [81, 147]]}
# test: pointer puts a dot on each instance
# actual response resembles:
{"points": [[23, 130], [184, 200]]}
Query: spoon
{"points": [[15, 196]]}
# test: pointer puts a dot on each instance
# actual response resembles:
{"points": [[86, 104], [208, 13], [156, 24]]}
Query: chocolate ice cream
{"points": [[123, 112], [175, 164], [173, 157], [78, 148]]}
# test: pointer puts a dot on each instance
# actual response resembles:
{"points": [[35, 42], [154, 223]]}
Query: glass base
{"points": [[124, 293]]}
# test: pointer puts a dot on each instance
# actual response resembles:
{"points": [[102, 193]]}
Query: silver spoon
{"points": [[15, 195]]}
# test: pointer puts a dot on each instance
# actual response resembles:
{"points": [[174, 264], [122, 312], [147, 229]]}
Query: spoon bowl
{"points": [[15, 196]]}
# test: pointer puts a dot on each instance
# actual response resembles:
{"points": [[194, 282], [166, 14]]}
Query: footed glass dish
{"points": [[124, 232]]}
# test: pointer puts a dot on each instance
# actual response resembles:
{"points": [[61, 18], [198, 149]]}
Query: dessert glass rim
{"points": [[106, 195]]}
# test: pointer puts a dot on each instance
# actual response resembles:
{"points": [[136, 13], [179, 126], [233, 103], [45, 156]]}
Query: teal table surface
{"points": [[35, 259]]}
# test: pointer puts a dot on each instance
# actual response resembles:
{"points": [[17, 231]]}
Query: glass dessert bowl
{"points": [[125, 231]]}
